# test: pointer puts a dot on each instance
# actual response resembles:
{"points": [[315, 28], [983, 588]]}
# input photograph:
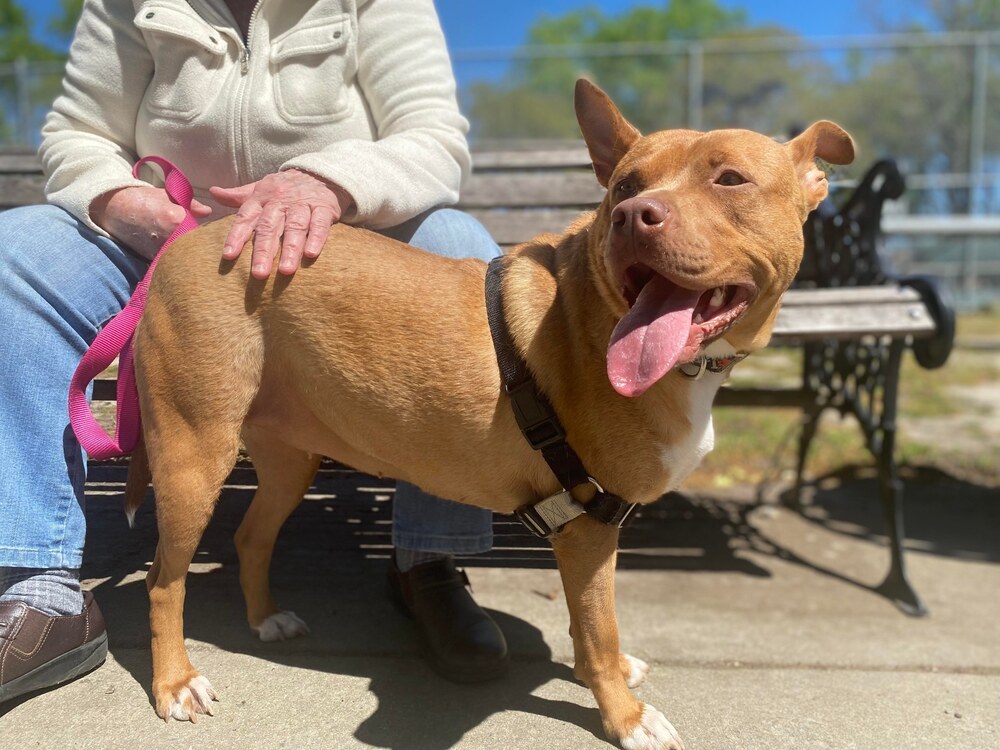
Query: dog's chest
{"points": [[682, 457]]}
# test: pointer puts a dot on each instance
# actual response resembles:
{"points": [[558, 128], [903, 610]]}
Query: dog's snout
{"points": [[639, 215]]}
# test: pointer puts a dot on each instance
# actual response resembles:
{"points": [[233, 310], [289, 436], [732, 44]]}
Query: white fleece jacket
{"points": [[358, 92]]}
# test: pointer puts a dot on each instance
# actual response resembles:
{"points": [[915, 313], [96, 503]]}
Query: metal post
{"points": [[21, 70], [977, 135], [696, 82]]}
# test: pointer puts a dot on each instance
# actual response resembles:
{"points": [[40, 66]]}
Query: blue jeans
{"points": [[59, 283]]}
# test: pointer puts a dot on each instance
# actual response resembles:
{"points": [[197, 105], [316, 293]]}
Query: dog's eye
{"points": [[626, 189], [729, 178]]}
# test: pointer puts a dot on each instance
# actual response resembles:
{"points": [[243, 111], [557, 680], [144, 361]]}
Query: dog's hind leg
{"points": [[190, 462], [585, 551], [283, 476]]}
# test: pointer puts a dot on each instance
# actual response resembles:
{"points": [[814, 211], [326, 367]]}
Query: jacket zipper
{"points": [[245, 56], [239, 138], [240, 152]]}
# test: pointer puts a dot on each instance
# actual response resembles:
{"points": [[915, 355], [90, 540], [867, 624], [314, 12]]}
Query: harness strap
{"points": [[542, 429], [116, 338]]}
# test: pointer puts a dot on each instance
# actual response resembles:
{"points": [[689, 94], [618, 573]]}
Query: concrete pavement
{"points": [[762, 627]]}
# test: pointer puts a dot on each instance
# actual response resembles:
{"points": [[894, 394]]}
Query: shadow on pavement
{"points": [[345, 526], [944, 515], [329, 566]]}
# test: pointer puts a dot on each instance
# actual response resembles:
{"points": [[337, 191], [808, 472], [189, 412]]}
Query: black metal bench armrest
{"points": [[933, 351]]}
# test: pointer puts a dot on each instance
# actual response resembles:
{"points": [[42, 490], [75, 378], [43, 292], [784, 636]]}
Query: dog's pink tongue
{"points": [[648, 341]]}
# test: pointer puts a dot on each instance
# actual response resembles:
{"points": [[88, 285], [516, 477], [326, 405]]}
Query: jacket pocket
{"points": [[186, 52], [311, 66]]}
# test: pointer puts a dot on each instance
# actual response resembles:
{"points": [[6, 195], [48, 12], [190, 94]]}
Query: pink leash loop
{"points": [[116, 338]]}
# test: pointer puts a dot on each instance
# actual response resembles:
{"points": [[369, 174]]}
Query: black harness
{"points": [[542, 429]]}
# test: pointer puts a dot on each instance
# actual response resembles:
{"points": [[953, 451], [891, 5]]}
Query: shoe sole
{"points": [[62, 669], [468, 676]]}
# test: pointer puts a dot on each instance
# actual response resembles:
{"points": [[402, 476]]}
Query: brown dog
{"points": [[380, 356]]}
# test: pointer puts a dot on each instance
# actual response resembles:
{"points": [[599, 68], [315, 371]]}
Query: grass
{"points": [[984, 323], [754, 444]]}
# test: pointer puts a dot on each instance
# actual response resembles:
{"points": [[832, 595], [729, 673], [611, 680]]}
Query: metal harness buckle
{"points": [[699, 365], [545, 518]]}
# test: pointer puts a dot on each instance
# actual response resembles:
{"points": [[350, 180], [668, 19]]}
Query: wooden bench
{"points": [[851, 319]]}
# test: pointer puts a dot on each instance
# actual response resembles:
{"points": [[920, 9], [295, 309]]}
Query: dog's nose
{"points": [[641, 215]]}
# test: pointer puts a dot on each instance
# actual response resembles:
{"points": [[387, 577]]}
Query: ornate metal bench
{"points": [[862, 319]]}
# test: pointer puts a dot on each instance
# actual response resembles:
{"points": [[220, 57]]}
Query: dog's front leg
{"points": [[586, 551]]}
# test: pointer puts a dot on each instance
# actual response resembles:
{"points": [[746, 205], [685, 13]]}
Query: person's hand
{"points": [[290, 210], [141, 217]]}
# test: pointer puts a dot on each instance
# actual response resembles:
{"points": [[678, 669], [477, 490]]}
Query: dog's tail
{"points": [[138, 480]]}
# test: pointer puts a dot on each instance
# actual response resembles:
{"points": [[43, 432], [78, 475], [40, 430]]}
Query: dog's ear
{"points": [[608, 135], [822, 140]]}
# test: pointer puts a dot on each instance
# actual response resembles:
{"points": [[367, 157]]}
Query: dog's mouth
{"points": [[667, 324]]}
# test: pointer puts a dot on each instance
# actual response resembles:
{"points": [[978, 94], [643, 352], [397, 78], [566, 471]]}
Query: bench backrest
{"points": [[520, 193], [21, 181]]}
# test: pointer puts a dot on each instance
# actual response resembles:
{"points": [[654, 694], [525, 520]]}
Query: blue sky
{"points": [[472, 24]]}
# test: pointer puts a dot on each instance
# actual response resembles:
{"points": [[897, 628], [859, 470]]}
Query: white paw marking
{"points": [[654, 732], [281, 626], [200, 693], [638, 669]]}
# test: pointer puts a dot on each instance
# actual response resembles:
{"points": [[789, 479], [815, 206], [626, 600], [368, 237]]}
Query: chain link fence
{"points": [[930, 101], [26, 91], [923, 99]]}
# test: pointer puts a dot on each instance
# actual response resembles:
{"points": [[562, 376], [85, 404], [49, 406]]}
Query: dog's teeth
{"points": [[718, 297], [698, 318]]}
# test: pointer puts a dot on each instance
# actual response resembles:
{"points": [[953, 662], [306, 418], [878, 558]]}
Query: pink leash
{"points": [[116, 338]]}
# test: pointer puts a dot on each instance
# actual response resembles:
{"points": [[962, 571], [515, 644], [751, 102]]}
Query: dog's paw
{"points": [[653, 732], [635, 670], [281, 626], [185, 703]]}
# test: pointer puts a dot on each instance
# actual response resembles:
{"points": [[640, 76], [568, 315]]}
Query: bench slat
{"points": [[105, 389], [787, 398], [536, 189], [566, 157], [846, 313], [517, 225], [19, 161], [855, 295], [21, 190]]}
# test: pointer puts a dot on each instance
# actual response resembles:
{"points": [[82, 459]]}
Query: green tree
{"points": [[964, 15], [16, 41], [65, 24], [916, 103], [650, 84], [29, 67]]}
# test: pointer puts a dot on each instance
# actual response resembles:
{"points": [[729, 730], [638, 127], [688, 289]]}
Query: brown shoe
{"points": [[463, 644], [39, 650]]}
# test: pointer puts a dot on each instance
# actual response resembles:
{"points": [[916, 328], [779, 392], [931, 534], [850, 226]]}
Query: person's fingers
{"points": [[233, 197], [288, 215], [199, 209], [172, 215], [294, 237], [319, 229], [266, 238], [241, 230]]}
